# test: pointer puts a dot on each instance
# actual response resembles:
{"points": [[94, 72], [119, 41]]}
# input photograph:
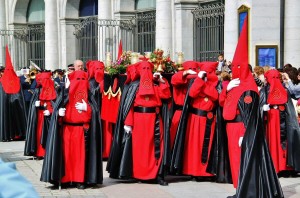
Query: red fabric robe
{"points": [[40, 151], [74, 144], [145, 166], [204, 98], [180, 84]]}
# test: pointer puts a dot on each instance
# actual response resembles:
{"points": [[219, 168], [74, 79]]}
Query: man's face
{"points": [[78, 65]]}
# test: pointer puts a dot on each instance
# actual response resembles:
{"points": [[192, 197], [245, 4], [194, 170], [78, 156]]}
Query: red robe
{"points": [[235, 130], [40, 151], [74, 144], [145, 166], [204, 98], [180, 84], [279, 156]]}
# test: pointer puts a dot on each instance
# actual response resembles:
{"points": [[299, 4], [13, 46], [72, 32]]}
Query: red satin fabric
{"points": [[279, 156], [192, 164], [74, 153], [145, 166], [234, 132], [40, 151]]}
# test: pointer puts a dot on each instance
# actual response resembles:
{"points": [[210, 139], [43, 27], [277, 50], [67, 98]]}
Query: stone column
{"points": [[164, 25], [2, 27], [51, 35], [292, 32], [184, 27], [230, 29], [104, 13]]}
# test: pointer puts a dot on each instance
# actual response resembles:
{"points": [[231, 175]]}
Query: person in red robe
{"points": [[200, 123], [253, 172], [279, 119], [180, 81], [39, 116], [145, 123], [76, 117]]}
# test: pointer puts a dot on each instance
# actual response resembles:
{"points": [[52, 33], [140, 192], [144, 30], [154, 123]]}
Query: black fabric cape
{"points": [[119, 163], [218, 163], [178, 148], [53, 166], [292, 128], [30, 141], [12, 111], [257, 177], [166, 160]]}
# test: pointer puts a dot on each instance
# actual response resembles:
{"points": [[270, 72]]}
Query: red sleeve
{"points": [[164, 90], [178, 79], [129, 119], [222, 96], [196, 88]]}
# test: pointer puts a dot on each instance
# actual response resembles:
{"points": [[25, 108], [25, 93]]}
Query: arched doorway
{"points": [[87, 31], [36, 32]]}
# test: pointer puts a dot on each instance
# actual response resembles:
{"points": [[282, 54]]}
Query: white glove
{"points": [[127, 129], [46, 113], [37, 103], [240, 141], [81, 106], [266, 107], [45, 104], [233, 83], [62, 112], [201, 74], [190, 71], [159, 76]]}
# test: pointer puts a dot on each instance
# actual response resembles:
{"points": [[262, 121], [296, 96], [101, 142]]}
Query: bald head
{"points": [[78, 65]]}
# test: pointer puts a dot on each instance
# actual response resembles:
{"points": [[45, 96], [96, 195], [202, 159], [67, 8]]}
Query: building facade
{"points": [[53, 33]]}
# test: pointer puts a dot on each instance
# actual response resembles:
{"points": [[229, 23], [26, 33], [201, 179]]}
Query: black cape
{"points": [[119, 163], [292, 129], [13, 115], [215, 162], [30, 141], [53, 166], [218, 163], [257, 177]]}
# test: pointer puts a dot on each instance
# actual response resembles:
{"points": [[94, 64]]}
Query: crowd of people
{"points": [[214, 121]]}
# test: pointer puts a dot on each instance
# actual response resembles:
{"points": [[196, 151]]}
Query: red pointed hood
{"points": [[277, 93], [240, 69], [10, 80], [47, 84], [210, 69]]}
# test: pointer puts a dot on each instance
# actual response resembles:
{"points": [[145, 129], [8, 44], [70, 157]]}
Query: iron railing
{"points": [[208, 31], [145, 31], [36, 44], [16, 40]]}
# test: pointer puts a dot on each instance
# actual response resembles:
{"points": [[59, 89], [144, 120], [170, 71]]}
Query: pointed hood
{"points": [[277, 93], [47, 86], [10, 80], [240, 69]]}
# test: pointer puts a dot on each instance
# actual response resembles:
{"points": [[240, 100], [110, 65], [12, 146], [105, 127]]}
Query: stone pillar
{"points": [[2, 27], [51, 35], [230, 29], [104, 13], [184, 27], [292, 32], [164, 25]]}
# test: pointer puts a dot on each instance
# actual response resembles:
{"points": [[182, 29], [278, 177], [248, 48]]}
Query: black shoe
{"points": [[162, 182], [80, 186]]}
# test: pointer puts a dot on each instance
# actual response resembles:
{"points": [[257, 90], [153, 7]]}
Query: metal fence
{"points": [[27, 44], [145, 31], [36, 44], [208, 31], [97, 37], [16, 40]]}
